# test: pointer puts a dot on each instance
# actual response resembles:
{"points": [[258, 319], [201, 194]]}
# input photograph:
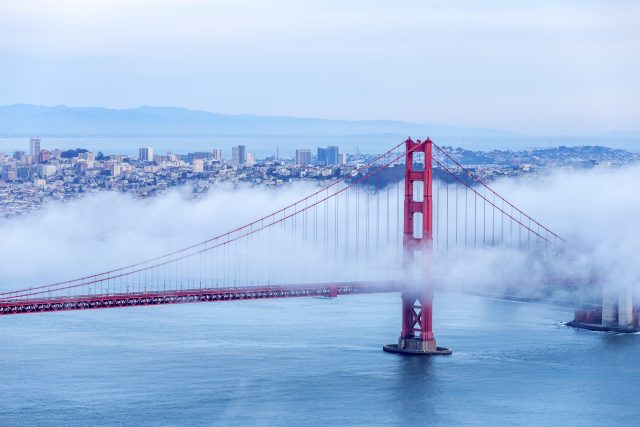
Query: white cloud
{"points": [[594, 210]]}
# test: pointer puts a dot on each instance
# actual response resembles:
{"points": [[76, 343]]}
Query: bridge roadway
{"points": [[33, 304], [119, 300]]}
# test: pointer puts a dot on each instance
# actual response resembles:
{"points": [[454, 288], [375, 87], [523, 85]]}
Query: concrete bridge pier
{"points": [[416, 337], [617, 313], [625, 307], [609, 307]]}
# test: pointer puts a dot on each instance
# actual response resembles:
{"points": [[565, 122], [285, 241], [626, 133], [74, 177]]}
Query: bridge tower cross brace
{"points": [[417, 336]]}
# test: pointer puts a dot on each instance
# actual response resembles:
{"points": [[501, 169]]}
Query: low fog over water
{"points": [[594, 210]]}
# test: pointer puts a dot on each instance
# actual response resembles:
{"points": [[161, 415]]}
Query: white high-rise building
{"points": [[145, 154], [114, 169], [48, 170], [198, 165], [250, 160], [217, 154], [34, 150]]}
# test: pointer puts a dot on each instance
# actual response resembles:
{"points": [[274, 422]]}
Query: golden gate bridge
{"points": [[352, 236]]}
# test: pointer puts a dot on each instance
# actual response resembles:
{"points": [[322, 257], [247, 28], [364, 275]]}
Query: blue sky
{"points": [[534, 67]]}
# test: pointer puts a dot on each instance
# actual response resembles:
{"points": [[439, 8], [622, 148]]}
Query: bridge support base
{"points": [[417, 337], [593, 320], [417, 348], [602, 328]]}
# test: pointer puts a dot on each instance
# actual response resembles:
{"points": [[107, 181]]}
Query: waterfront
{"points": [[286, 145], [313, 361], [261, 147]]}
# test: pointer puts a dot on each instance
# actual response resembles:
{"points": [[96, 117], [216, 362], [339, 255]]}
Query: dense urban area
{"points": [[28, 180]]}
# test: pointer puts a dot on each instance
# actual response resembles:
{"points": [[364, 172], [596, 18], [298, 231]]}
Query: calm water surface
{"points": [[312, 362]]}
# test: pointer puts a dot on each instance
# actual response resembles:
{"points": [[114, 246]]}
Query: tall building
{"points": [[24, 172], [145, 154], [342, 158], [48, 170], [114, 169], [44, 156], [235, 156], [198, 165], [251, 159], [321, 157], [217, 154], [303, 157], [331, 155], [35, 149], [327, 156], [238, 155], [243, 154], [20, 156]]}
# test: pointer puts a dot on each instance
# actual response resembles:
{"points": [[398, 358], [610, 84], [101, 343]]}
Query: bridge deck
{"points": [[84, 302]]}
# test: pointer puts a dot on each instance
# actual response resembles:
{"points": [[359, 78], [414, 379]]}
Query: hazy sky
{"points": [[528, 66]]}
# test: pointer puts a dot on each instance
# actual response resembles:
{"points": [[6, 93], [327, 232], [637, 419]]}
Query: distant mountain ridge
{"points": [[21, 120]]}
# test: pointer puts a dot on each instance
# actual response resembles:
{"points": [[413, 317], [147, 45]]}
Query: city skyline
{"points": [[27, 181]]}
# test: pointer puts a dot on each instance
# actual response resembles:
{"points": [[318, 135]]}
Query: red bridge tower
{"points": [[416, 336]]}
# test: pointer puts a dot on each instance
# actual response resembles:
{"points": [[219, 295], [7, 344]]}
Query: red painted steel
{"points": [[195, 295], [412, 206], [417, 322]]}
